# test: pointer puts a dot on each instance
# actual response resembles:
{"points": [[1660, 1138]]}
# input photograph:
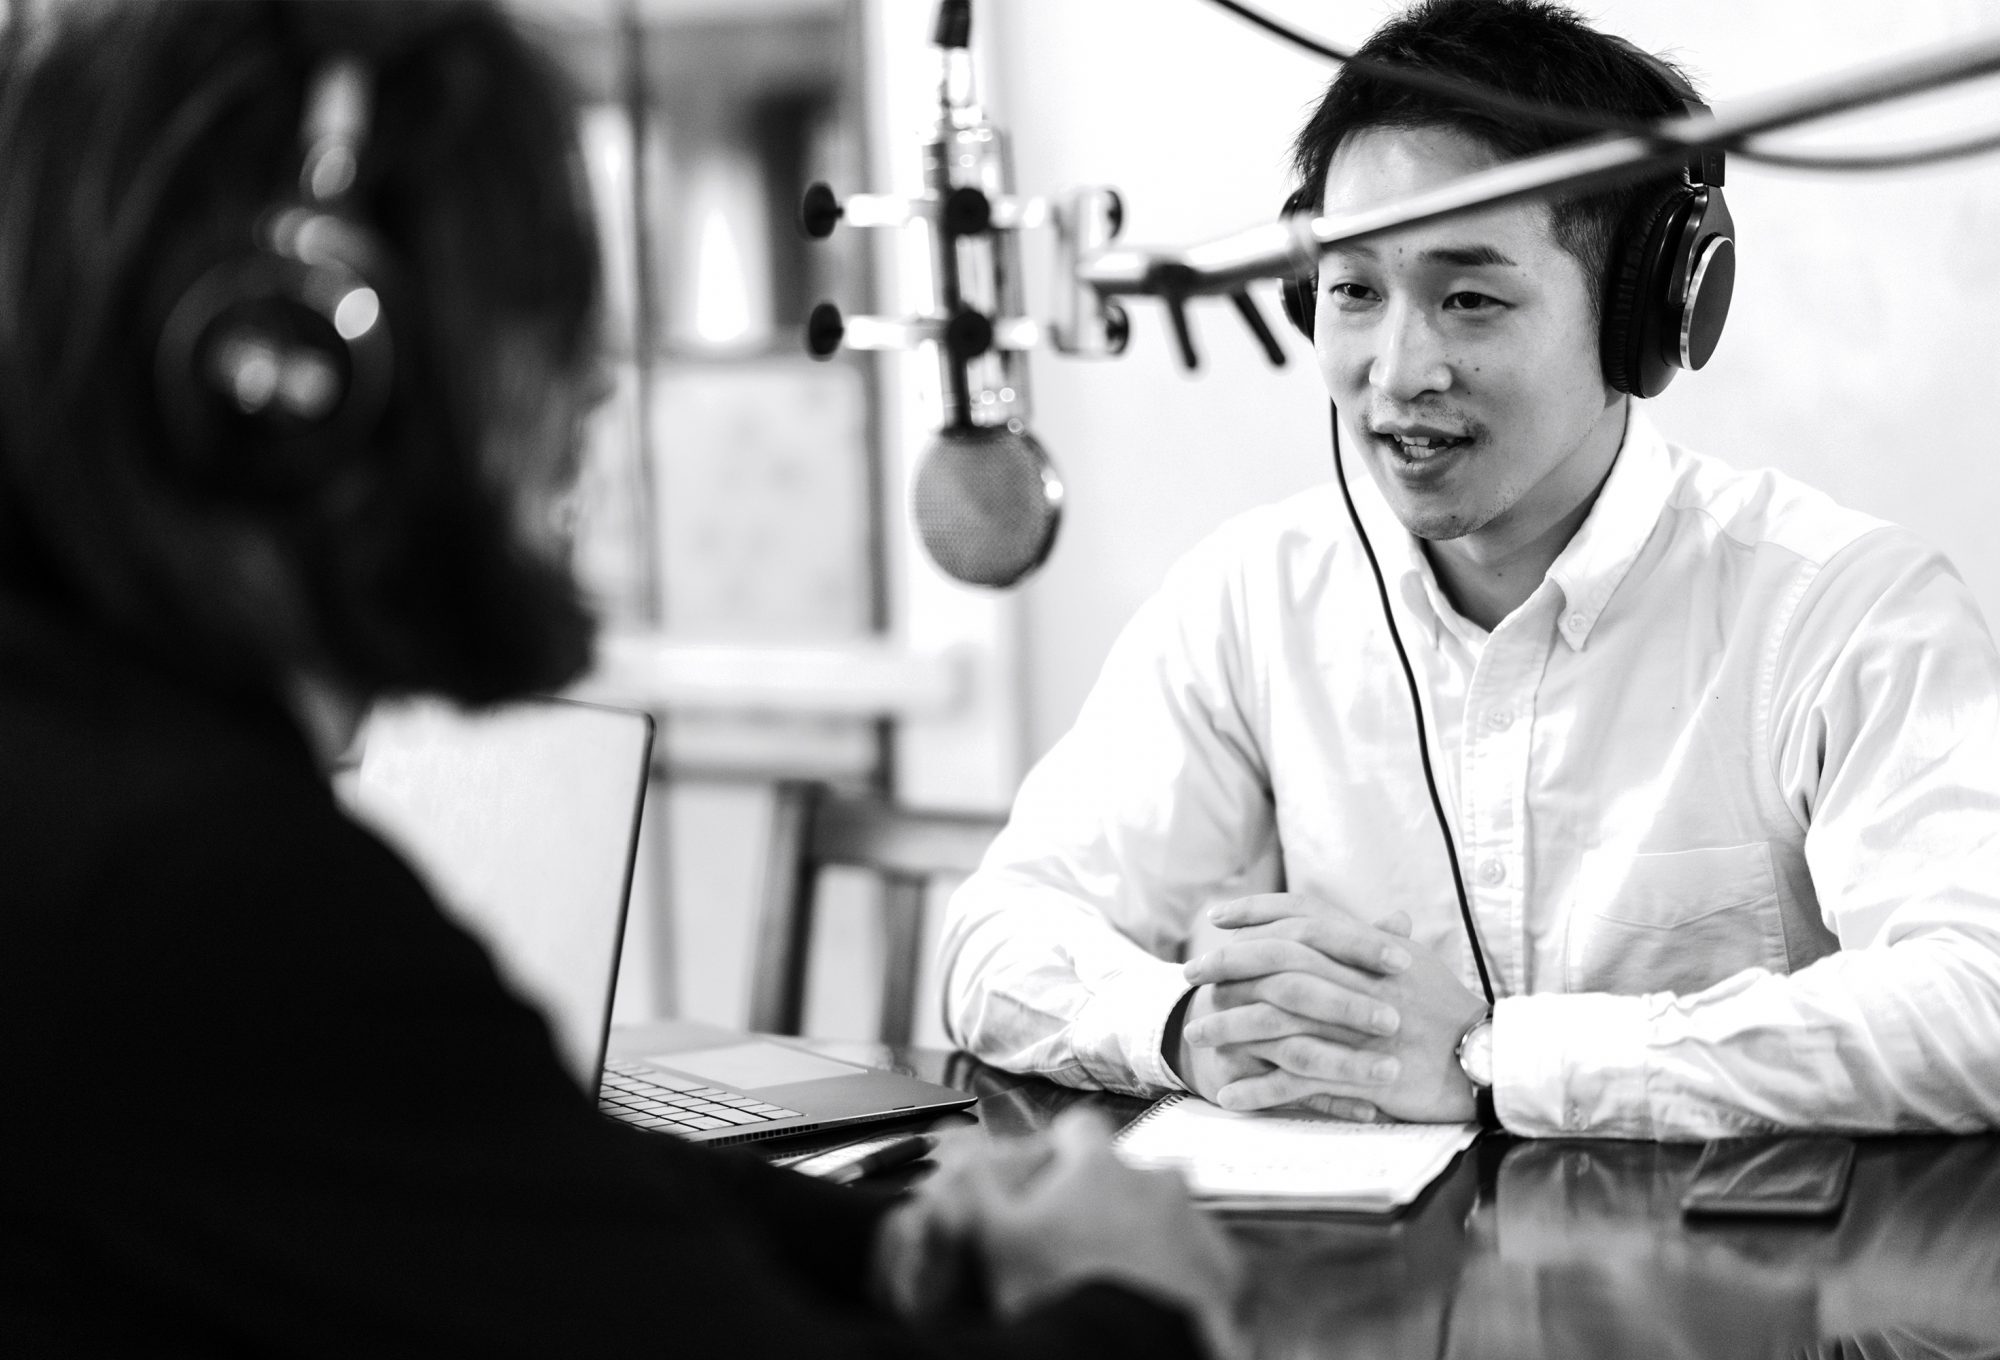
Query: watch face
{"points": [[1477, 1055]]}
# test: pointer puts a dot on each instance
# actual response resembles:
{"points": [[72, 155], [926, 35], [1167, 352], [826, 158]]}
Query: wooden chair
{"points": [[814, 827]]}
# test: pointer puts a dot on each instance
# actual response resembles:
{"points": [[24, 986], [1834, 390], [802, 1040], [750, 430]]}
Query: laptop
{"points": [[525, 823]]}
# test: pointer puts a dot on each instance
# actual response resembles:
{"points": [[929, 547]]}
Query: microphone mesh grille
{"points": [[986, 503]]}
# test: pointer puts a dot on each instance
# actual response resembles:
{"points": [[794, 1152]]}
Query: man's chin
{"points": [[1435, 524]]}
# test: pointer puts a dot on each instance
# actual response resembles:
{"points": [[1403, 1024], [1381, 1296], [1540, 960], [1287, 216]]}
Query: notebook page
{"points": [[1234, 1156]]}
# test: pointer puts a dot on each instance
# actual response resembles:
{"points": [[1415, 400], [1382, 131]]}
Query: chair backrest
{"points": [[814, 827]]}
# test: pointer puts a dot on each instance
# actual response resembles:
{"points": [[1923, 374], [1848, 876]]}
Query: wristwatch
{"points": [[1475, 1059], [1475, 1052]]}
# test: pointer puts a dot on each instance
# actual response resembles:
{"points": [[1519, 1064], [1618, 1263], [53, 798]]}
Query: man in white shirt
{"points": [[1720, 760]]}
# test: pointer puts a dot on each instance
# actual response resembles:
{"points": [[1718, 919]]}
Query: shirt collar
{"points": [[1591, 565], [1588, 569]]}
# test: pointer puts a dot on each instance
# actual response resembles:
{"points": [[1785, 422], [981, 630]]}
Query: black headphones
{"points": [[1672, 271], [274, 366]]}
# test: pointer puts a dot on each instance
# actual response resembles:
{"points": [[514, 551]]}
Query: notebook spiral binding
{"points": [[1163, 1103]]}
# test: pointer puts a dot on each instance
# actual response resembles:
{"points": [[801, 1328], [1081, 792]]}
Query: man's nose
{"points": [[1410, 358]]}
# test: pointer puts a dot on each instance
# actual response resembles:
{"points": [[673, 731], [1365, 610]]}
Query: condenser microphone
{"points": [[986, 503], [986, 500]]}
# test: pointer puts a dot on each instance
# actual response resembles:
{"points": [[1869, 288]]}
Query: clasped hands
{"points": [[1307, 1006], [1005, 1224]]}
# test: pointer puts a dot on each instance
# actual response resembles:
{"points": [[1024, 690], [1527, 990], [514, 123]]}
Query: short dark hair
{"points": [[139, 145], [1530, 49]]}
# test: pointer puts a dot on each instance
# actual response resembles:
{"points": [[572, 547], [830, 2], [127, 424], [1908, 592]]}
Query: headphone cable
{"points": [[1887, 158], [1416, 704], [1503, 105], [1496, 102]]}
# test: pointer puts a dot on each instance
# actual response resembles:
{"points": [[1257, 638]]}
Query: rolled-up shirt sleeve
{"points": [[1062, 953], [1883, 730]]}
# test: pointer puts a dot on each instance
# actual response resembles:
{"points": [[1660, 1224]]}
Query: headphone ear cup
{"points": [[1667, 299], [1297, 295], [1703, 292], [272, 368], [1633, 297]]}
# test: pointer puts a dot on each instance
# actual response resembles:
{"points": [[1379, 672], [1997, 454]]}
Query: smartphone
{"points": [[1799, 1177]]}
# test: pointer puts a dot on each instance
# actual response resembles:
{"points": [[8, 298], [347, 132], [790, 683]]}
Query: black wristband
{"points": [[1170, 1035]]}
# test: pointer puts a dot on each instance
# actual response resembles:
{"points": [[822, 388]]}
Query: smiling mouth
{"points": [[1417, 450]]}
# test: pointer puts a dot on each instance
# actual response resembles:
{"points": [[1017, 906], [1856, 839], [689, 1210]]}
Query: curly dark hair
{"points": [[139, 145]]}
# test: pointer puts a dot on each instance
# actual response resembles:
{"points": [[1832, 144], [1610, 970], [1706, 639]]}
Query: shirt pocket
{"points": [[1678, 922]]}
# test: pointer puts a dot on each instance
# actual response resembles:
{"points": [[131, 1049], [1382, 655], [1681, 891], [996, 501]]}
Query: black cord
{"points": [[1416, 704], [1898, 158], [1554, 115], [1447, 87]]}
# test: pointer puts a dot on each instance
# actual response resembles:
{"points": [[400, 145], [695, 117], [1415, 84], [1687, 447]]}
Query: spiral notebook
{"points": [[1238, 1160]]}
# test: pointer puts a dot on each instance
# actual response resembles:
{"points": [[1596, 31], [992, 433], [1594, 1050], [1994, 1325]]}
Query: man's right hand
{"points": [[1208, 1068]]}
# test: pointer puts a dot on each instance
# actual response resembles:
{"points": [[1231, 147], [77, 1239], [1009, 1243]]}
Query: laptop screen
{"points": [[524, 821]]}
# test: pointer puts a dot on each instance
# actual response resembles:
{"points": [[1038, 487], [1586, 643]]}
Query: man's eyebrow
{"points": [[1469, 257], [1462, 257]]}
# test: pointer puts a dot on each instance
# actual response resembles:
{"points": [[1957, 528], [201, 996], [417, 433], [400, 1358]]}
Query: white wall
{"points": [[1858, 353]]}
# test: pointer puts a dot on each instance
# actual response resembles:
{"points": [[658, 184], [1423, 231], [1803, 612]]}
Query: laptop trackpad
{"points": [[748, 1066]]}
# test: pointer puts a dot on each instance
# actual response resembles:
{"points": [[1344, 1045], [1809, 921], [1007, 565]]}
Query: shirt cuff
{"points": [[1572, 1065], [1130, 1009]]}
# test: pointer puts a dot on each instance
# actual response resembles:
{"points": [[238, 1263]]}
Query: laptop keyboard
{"points": [[653, 1099]]}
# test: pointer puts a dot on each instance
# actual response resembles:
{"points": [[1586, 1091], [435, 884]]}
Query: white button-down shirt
{"points": [[1725, 791]]}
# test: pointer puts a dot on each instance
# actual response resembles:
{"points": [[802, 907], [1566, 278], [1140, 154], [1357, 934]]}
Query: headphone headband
{"points": [[1705, 165], [1671, 272]]}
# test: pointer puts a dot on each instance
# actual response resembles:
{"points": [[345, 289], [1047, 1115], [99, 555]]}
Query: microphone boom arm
{"points": [[1292, 248]]}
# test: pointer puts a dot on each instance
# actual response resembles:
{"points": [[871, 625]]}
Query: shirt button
{"points": [[1500, 719], [1571, 1118], [1492, 871], [1574, 623]]}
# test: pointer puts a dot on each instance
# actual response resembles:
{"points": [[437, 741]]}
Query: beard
{"points": [[458, 606]]}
